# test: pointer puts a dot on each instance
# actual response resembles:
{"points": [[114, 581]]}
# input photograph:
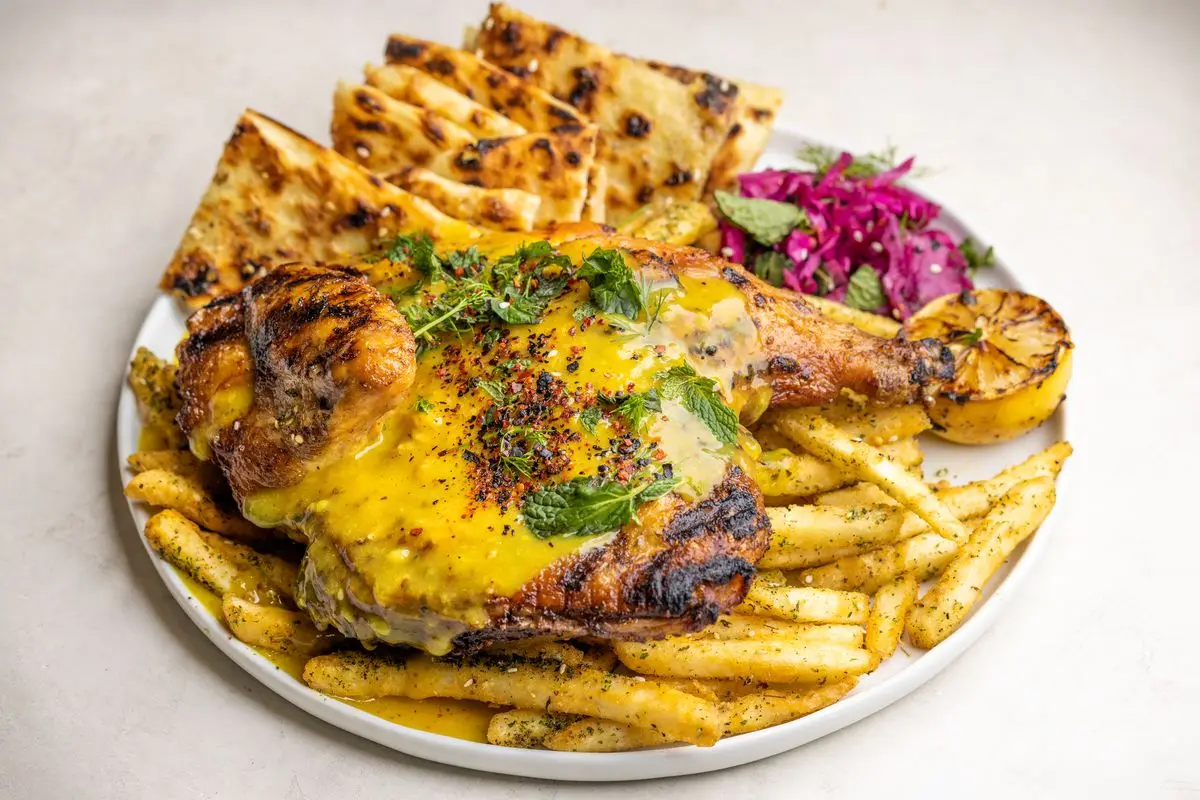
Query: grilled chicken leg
{"points": [[573, 474]]}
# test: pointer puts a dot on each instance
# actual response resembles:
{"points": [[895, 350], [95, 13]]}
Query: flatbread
{"points": [[500, 209], [278, 197], [519, 100], [756, 107], [595, 206], [659, 135], [552, 165], [386, 135], [412, 86]]}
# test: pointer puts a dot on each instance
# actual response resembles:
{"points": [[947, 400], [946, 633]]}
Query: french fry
{"points": [[892, 603], [678, 223], [180, 462], [823, 439], [157, 487], [738, 626], [539, 650], [152, 380], [601, 658], [943, 608], [524, 727], [787, 475], [805, 604], [925, 555], [221, 566], [532, 685], [594, 735], [875, 426], [860, 494], [770, 660], [799, 530], [274, 628], [863, 320], [754, 712]]}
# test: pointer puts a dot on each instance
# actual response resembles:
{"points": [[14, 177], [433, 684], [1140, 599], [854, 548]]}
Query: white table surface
{"points": [[1068, 133]]}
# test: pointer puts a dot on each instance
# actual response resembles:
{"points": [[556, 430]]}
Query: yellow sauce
{"points": [[153, 438], [404, 508]]}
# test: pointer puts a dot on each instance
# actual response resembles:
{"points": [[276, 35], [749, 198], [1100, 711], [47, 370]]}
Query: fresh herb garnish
{"points": [[587, 506], [494, 390], [527, 280], [975, 259], [423, 406], [823, 280], [635, 408], [455, 310], [589, 418], [699, 395], [613, 288], [968, 338], [865, 291], [770, 266], [768, 221]]}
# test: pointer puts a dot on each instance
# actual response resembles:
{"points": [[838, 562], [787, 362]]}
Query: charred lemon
{"points": [[1012, 361]]}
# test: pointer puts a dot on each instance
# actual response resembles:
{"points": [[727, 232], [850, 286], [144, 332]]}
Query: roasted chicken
{"points": [[524, 439]]}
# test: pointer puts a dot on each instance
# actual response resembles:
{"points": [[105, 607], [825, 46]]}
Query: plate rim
{"points": [[586, 767]]}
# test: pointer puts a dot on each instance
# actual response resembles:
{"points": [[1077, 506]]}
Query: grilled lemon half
{"points": [[1012, 362]]}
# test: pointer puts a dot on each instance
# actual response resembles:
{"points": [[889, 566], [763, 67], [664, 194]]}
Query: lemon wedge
{"points": [[1012, 362]]}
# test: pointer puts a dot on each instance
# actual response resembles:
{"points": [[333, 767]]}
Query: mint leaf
{"points": [[423, 406], [700, 396], [587, 506], [770, 266], [768, 221], [493, 389], [864, 291], [613, 288], [589, 418]]}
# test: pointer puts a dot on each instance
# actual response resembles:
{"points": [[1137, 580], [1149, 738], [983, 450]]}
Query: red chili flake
{"points": [[416, 531], [659, 455]]}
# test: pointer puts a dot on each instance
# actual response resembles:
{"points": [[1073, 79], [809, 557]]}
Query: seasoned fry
{"points": [[532, 685], [754, 712], [805, 604], [593, 735], [892, 603], [860, 494], [743, 627], [784, 474], [678, 223], [274, 628], [218, 564], [525, 728], [875, 426], [157, 487], [823, 439], [864, 320], [152, 380], [799, 530], [601, 658], [540, 650], [943, 608], [180, 462], [925, 555], [771, 660]]}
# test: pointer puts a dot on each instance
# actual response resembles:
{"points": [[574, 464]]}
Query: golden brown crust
{"points": [[659, 132], [519, 100], [278, 197], [498, 209], [325, 355], [410, 85], [554, 166]]}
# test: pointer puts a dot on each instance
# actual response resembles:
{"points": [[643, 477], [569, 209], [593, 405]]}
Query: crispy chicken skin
{"points": [[314, 356], [319, 351]]}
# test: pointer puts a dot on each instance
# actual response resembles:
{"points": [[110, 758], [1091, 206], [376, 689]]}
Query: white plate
{"points": [[903, 673]]}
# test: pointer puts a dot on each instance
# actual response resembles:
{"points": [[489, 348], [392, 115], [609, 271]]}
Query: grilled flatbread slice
{"points": [[277, 197], [386, 135], [754, 115], [660, 135], [595, 206], [412, 86], [553, 165], [499, 209], [519, 100]]}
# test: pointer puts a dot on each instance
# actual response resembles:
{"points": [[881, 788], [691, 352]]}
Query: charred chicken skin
{"points": [[523, 438]]}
